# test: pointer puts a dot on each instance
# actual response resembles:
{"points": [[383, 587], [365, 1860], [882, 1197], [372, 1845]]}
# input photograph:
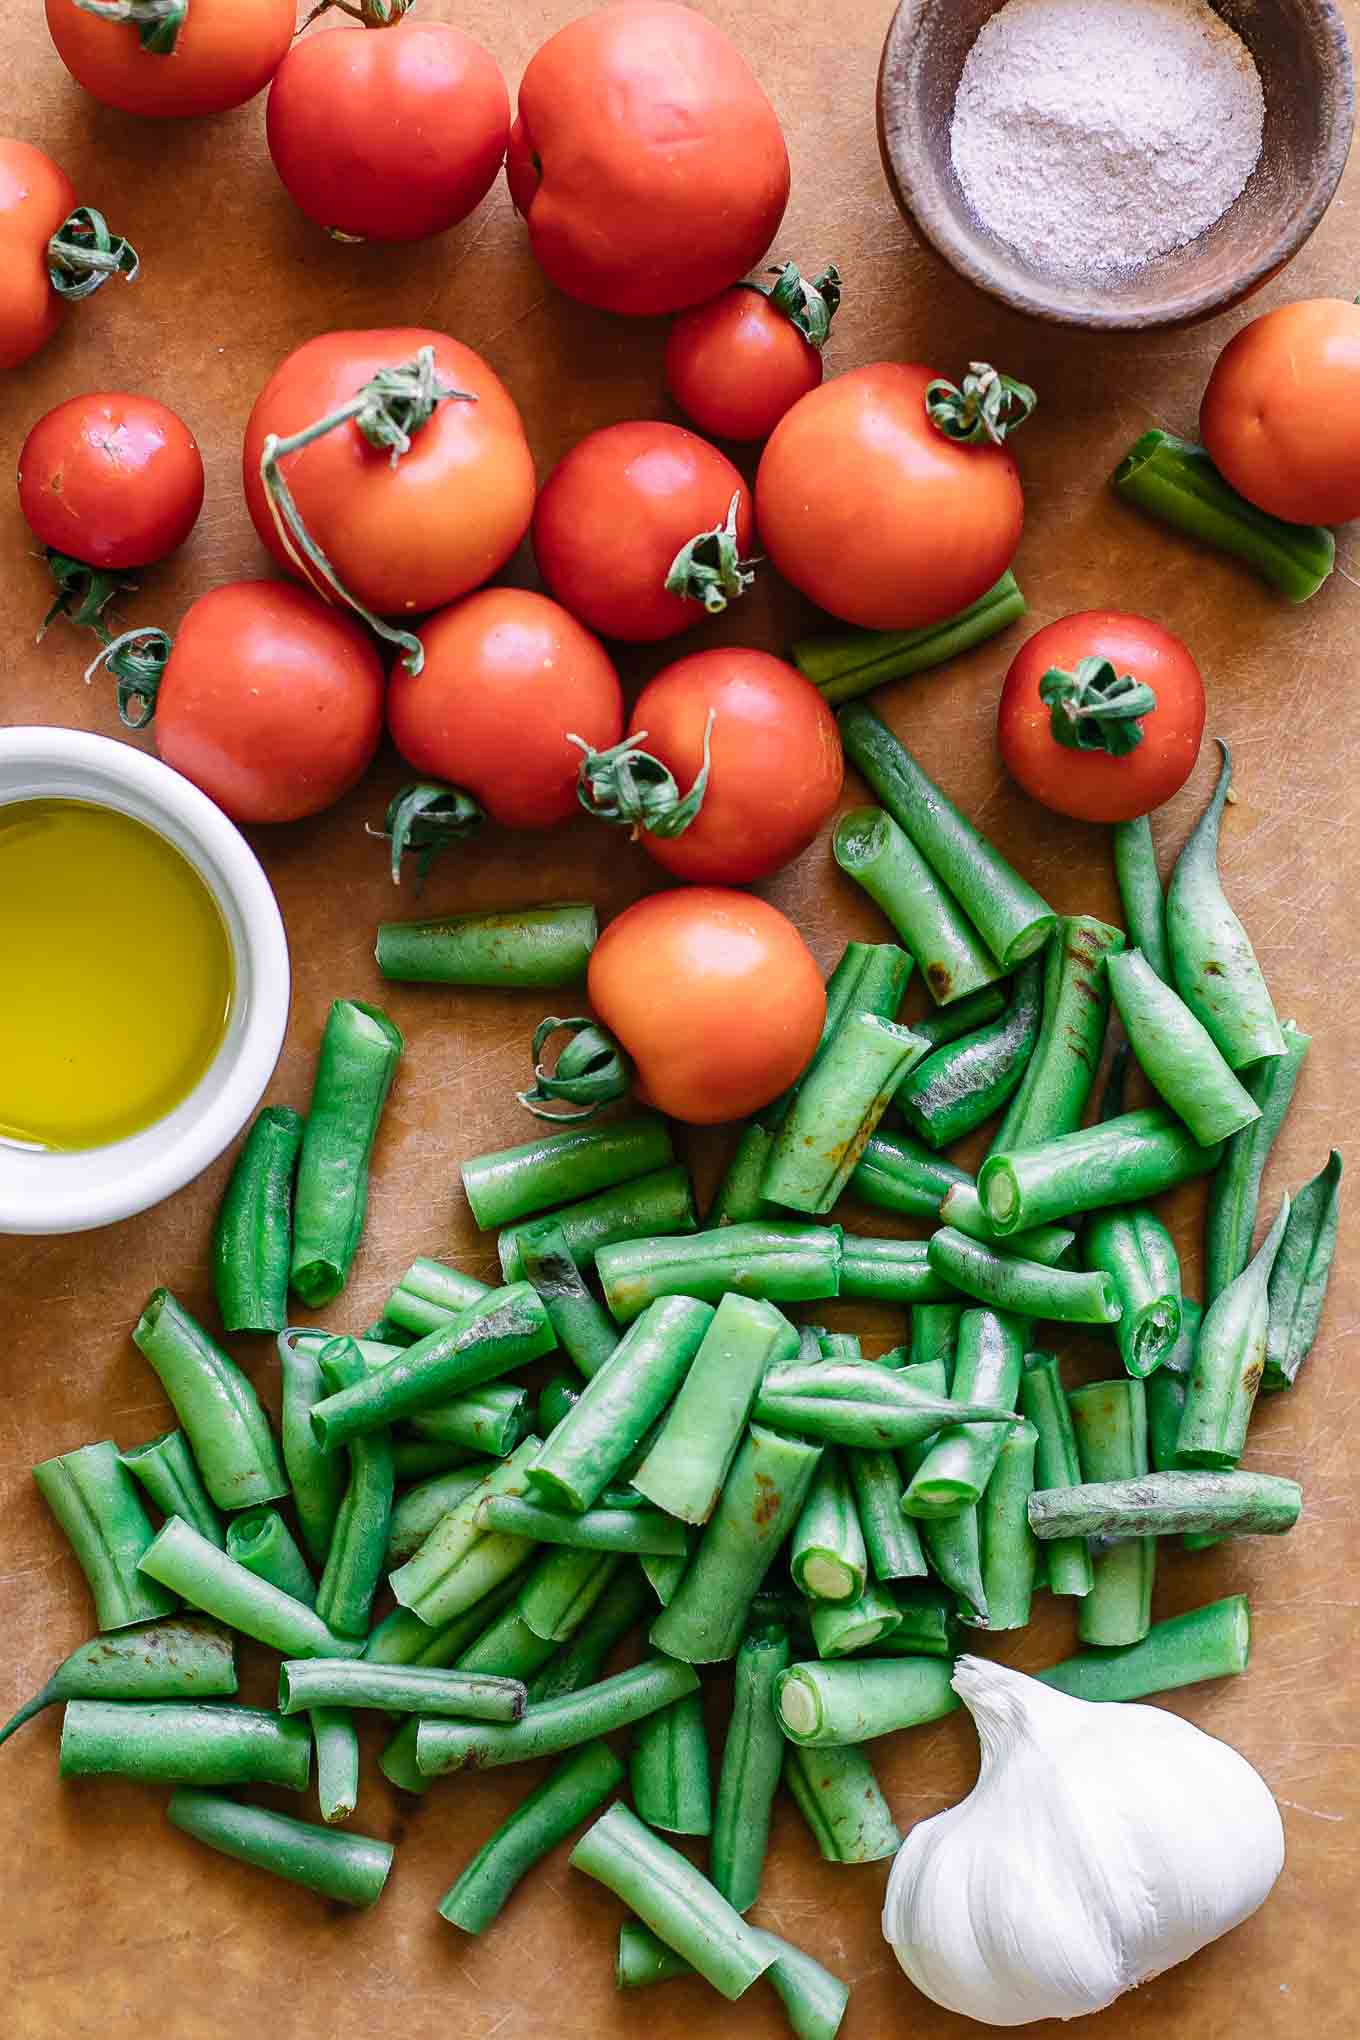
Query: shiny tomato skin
{"points": [[776, 764], [736, 365], [1280, 417], [111, 479], [226, 52], [35, 198], [877, 517], [412, 537], [388, 134], [648, 164], [508, 676], [1092, 786], [714, 995], [614, 513], [272, 702]]}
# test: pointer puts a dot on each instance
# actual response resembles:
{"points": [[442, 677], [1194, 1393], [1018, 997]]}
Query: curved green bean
{"points": [[351, 1869], [548, 1727], [1002, 1281], [1137, 1254], [1177, 1054], [1230, 1362], [261, 1541], [1140, 893], [92, 1496], [1298, 1281], [575, 1789], [165, 1468], [749, 1776], [177, 1658], [870, 847], [252, 1241], [962, 1084], [219, 1411], [357, 1060], [1053, 1092]]}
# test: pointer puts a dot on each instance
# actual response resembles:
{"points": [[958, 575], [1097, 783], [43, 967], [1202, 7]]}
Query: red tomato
{"points": [[111, 479], [1092, 785], [412, 536], [508, 675], [35, 198], [614, 513], [775, 762], [868, 509], [271, 701], [647, 162], [224, 53], [714, 995], [388, 134], [1281, 415], [737, 364]]}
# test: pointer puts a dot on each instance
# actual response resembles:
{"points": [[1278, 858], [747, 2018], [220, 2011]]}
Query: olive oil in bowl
{"points": [[115, 975]]}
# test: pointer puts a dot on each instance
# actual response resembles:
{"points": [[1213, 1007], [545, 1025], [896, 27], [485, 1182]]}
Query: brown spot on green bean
{"points": [[939, 980], [767, 1501], [1213, 970]]}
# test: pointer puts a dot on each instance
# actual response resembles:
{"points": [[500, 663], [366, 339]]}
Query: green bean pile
{"points": [[741, 1489]]}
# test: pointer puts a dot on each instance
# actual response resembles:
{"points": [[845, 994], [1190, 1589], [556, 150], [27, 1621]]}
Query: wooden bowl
{"points": [[1304, 60]]}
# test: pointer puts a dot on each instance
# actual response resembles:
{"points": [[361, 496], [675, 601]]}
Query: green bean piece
{"points": [[335, 1740], [415, 1514], [777, 1263], [317, 1476], [584, 1329], [664, 1573], [398, 1760], [93, 1497], [643, 1960], [1213, 1642], [582, 1659], [1137, 1254], [847, 1700], [964, 1016], [655, 1206], [548, 1727], [1212, 961], [954, 1551], [594, 1530], [1175, 480], [1110, 1420], [1166, 1391], [501, 1333], [261, 1541], [356, 1559], [1298, 1281], [401, 1638], [871, 977], [896, 1173], [1050, 1244], [738, 1198], [558, 1396], [508, 1648], [165, 1468], [927, 1622], [418, 1459], [890, 1271], [383, 1328], [560, 1168], [489, 1421], [837, 1109], [1229, 1362], [169, 1743], [965, 1082], [357, 1060], [813, 1999], [252, 1242], [1235, 1186], [759, 1505], [439, 1582], [1160, 1504], [524, 948], [1056, 1465], [890, 1537], [561, 1590], [1053, 1092], [1140, 893], [1177, 1054], [668, 1770], [827, 1555], [351, 1869], [429, 1294], [839, 1797], [842, 664], [959, 1464], [869, 847], [305, 1683], [842, 1627], [208, 1579], [1007, 912], [177, 1658], [574, 1790], [218, 1410], [850, 1403], [749, 1775], [1001, 1280], [1010, 1556], [1120, 1161], [934, 1339]]}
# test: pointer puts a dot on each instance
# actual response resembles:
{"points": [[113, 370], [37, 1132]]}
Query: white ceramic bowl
{"points": [[66, 1193]]}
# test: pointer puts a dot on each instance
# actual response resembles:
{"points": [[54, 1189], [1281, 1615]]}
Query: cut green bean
{"points": [[508, 1648], [664, 1573], [550, 1726], [417, 1459], [837, 1109], [821, 1704], [739, 1197], [778, 1263], [965, 1016], [93, 1497], [1229, 1362], [853, 1403], [813, 1999], [357, 1060], [352, 1869], [871, 977], [987, 1369], [177, 1658], [684, 1471], [890, 1271], [1166, 1391], [165, 1468], [954, 1549], [169, 1743], [415, 1514], [574, 1790], [1053, 1092], [560, 1168], [1177, 1054], [261, 1541], [401, 1638], [1049, 1244], [896, 1173], [927, 1622], [336, 1742], [668, 1771], [643, 1959], [601, 1529], [869, 847], [561, 1590], [209, 1580], [218, 1410], [252, 1242], [1002, 1281], [489, 1421], [890, 1537], [585, 1331], [827, 1555], [305, 1683], [524, 948], [842, 1627], [1007, 912], [317, 1476], [429, 1294], [356, 1559], [1235, 1186], [1110, 1420], [1120, 1161], [655, 1206], [1056, 1464], [558, 1396], [1160, 1504], [845, 663], [759, 1505], [1010, 1556], [461, 1560], [934, 1339], [1298, 1281], [1137, 1254], [1213, 1642], [749, 1776], [1140, 893], [962, 1084], [582, 1659], [839, 1797]]}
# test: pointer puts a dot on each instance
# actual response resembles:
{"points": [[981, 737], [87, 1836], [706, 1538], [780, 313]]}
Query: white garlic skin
{"points": [[1101, 1845]]}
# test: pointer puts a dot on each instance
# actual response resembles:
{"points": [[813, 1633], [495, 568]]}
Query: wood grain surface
{"points": [[113, 1925]]}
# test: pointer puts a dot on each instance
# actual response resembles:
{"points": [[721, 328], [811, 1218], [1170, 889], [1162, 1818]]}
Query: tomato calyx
{"points": [[982, 409], [83, 592], [370, 13], [809, 306], [1095, 707], [709, 568], [137, 660], [83, 254], [157, 22], [424, 819], [629, 787], [590, 1071]]}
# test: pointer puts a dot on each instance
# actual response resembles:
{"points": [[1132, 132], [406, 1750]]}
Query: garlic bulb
{"points": [[1100, 1845]]}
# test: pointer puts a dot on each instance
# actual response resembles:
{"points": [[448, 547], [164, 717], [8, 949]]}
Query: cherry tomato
{"points": [[35, 198], [388, 134], [224, 52], [714, 995], [872, 512], [412, 536], [508, 675], [111, 479], [737, 364], [271, 701], [1281, 414], [615, 512], [775, 762], [647, 162], [1092, 785]]}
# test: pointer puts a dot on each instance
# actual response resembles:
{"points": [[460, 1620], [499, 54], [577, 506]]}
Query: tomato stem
{"points": [[426, 817], [809, 306], [1095, 707], [708, 568], [83, 593], [372, 13], [137, 660], [628, 786], [591, 1070], [83, 254], [157, 22], [983, 409]]}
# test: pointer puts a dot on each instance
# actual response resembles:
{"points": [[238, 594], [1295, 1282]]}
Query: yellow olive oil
{"points": [[115, 975]]}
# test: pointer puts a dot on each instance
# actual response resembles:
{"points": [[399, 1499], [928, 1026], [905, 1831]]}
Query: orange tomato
{"points": [[224, 53], [737, 364], [111, 479], [35, 198], [1281, 414]]}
